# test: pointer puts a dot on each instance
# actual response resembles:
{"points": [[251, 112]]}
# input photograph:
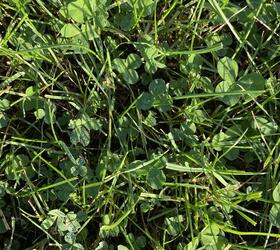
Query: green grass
{"points": [[139, 124]]}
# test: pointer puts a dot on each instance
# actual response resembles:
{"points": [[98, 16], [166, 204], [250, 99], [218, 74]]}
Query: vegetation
{"points": [[139, 124]]}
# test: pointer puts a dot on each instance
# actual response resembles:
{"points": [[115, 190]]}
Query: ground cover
{"points": [[139, 124]]}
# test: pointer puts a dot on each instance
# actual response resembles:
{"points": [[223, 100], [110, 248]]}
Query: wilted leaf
{"points": [[48, 222], [103, 245], [150, 120], [122, 247], [50, 110], [70, 237], [18, 165]]}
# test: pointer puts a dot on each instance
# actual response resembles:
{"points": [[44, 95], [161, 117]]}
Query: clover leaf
{"points": [[228, 69], [155, 178], [157, 87], [69, 30], [274, 215], [81, 128], [127, 67], [145, 102], [82, 11], [225, 86]]}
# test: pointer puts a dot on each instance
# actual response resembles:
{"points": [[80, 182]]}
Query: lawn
{"points": [[139, 124]]}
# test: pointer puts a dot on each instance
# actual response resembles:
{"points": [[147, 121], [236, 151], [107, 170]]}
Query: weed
{"points": [[139, 124]]}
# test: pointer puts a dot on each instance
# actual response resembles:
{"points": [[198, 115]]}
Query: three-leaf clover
{"points": [[131, 12], [228, 70], [157, 97], [127, 67], [152, 58], [91, 15], [151, 55], [81, 128]]}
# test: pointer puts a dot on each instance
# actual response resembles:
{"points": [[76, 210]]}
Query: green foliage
{"points": [[67, 225], [4, 104], [127, 68], [274, 215], [192, 65], [253, 81], [69, 30], [225, 86], [81, 128], [39, 114], [3, 120], [84, 10], [138, 242], [151, 55], [174, 225], [264, 126], [139, 124], [18, 166], [227, 69], [145, 102], [155, 178], [157, 87], [131, 13]]}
